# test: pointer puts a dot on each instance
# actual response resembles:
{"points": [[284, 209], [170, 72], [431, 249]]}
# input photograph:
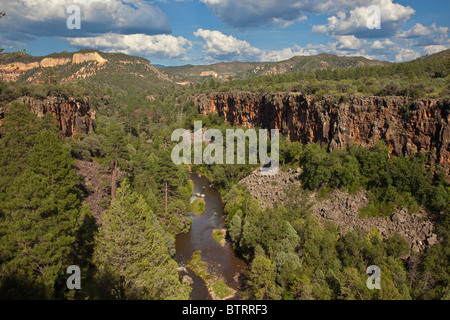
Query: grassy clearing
{"points": [[198, 206], [216, 285], [221, 290], [219, 236]]}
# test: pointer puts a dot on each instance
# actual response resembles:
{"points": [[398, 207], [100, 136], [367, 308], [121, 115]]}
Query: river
{"points": [[221, 259]]}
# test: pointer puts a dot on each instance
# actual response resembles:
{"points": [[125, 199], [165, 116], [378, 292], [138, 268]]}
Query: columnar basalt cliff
{"points": [[407, 126], [72, 116]]}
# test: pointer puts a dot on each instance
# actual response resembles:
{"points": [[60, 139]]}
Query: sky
{"points": [[179, 32]]}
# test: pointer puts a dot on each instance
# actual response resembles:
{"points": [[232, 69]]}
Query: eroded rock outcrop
{"points": [[343, 209], [53, 62], [13, 71], [407, 126], [72, 116], [89, 56], [95, 179], [270, 190]]}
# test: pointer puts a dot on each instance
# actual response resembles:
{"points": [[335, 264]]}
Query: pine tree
{"points": [[262, 279], [20, 128], [131, 255], [115, 150], [39, 212]]}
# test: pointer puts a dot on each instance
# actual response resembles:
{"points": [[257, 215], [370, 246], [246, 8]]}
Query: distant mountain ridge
{"points": [[241, 70], [84, 64], [111, 68]]}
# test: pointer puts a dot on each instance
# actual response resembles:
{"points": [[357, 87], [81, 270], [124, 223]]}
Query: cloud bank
{"points": [[160, 46], [41, 18], [346, 25], [139, 27], [221, 47]]}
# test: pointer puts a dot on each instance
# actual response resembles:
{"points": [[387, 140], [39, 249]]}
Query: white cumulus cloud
{"points": [[48, 17], [434, 48], [417, 31], [161, 46], [287, 53], [405, 54], [348, 42], [354, 21], [346, 17], [220, 46]]}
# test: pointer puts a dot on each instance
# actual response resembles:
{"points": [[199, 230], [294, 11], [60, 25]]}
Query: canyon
{"points": [[407, 126], [71, 116]]}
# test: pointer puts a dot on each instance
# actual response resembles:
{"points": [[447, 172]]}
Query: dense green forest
{"points": [[46, 224], [426, 77], [292, 256]]}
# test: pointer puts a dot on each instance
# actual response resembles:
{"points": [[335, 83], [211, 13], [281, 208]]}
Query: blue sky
{"points": [[177, 32]]}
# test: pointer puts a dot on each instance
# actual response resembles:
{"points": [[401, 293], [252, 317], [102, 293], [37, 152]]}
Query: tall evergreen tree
{"points": [[262, 279], [115, 150], [39, 212], [131, 255]]}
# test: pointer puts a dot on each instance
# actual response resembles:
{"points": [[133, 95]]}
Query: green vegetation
{"points": [[426, 77], [40, 212], [131, 255], [199, 267], [226, 71], [390, 180], [219, 235], [198, 206], [223, 176], [221, 290], [292, 256], [46, 223], [215, 284]]}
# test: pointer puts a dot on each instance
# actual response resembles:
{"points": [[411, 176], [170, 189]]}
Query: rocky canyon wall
{"points": [[71, 116], [407, 126]]}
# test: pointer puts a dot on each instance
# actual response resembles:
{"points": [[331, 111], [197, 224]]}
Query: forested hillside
{"points": [[423, 77], [243, 70], [126, 249]]}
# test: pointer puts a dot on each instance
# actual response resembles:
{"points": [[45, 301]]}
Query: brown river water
{"points": [[221, 259]]}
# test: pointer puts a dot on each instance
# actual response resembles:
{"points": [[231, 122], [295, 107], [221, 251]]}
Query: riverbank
{"points": [[219, 236], [216, 285], [198, 206], [221, 270]]}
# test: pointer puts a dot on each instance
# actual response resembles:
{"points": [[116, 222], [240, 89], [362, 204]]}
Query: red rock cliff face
{"points": [[71, 116], [422, 125]]}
